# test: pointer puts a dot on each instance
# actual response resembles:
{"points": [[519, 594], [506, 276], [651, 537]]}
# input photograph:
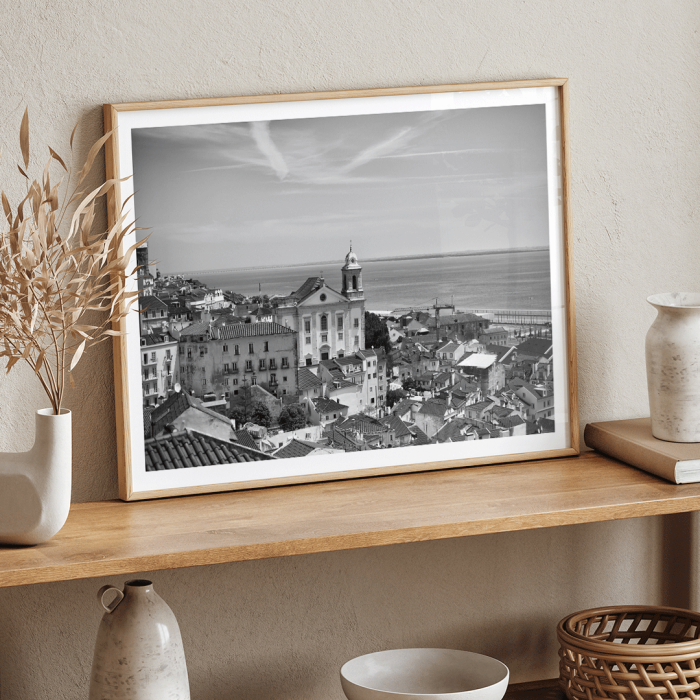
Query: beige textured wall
{"points": [[280, 629]]}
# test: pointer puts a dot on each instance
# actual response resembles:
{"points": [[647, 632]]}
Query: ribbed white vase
{"points": [[35, 486], [673, 367]]}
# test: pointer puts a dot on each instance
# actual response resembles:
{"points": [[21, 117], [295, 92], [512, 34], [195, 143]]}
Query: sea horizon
{"points": [[422, 256], [510, 281]]}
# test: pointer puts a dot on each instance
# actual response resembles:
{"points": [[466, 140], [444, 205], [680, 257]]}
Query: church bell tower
{"points": [[352, 277]]}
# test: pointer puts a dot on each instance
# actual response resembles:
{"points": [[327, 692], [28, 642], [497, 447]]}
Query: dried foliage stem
{"points": [[50, 279]]}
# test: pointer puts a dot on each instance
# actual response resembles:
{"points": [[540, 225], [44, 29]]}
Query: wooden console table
{"points": [[112, 537]]}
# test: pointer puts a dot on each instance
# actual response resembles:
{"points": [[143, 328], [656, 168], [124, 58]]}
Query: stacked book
{"points": [[631, 441]]}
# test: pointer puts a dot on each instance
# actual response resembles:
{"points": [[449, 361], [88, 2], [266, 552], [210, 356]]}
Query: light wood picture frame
{"points": [[344, 284]]}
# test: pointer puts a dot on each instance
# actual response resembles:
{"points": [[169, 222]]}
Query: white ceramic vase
{"points": [[138, 652], [673, 367], [35, 486]]}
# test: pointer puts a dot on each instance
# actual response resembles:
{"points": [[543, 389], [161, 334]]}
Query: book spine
{"points": [[630, 452]]}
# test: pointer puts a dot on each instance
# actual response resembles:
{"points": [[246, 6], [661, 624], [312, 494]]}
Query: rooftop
{"points": [[296, 448], [192, 449], [306, 380], [535, 346], [175, 405], [433, 408], [478, 360], [324, 405], [419, 437], [249, 330], [395, 424], [311, 285]]}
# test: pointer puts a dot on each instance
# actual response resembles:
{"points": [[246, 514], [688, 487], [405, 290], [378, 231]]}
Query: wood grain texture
{"points": [[335, 94], [535, 690], [112, 537], [569, 266], [119, 343]]}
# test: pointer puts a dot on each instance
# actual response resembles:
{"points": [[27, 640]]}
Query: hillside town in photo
{"points": [[229, 377]]}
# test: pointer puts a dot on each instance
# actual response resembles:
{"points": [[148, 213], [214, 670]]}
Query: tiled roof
{"points": [[244, 438], [147, 421], [396, 424], [296, 448], [150, 339], [348, 360], [192, 449], [433, 408], [324, 405], [402, 406], [535, 346], [419, 437], [174, 406], [196, 329], [451, 431], [363, 424], [236, 330], [248, 330], [343, 439], [511, 421], [151, 303], [306, 380], [481, 406], [311, 285], [500, 351], [495, 329], [517, 383]]}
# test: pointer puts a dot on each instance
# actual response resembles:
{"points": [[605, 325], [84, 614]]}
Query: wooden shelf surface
{"points": [[111, 537]]}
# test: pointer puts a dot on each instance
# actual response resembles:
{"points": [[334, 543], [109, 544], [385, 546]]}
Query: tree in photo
{"points": [[393, 396], [377, 335], [260, 415], [292, 417], [409, 384]]}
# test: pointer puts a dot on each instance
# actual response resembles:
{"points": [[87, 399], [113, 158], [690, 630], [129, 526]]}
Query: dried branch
{"points": [[50, 281]]}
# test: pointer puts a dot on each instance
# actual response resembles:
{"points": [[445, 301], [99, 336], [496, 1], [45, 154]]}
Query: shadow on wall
{"points": [[678, 538]]}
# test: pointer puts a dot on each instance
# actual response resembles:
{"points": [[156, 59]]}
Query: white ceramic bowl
{"points": [[424, 674]]}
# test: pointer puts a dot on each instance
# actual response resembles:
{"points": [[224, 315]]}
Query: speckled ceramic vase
{"points": [[138, 653], [673, 367]]}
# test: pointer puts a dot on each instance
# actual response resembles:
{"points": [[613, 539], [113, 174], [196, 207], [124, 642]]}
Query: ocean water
{"points": [[513, 280]]}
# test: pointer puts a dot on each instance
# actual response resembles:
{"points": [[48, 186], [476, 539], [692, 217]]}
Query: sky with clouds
{"points": [[294, 191]]}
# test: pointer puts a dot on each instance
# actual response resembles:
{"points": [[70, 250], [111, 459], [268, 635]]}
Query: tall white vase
{"points": [[673, 367], [35, 486], [138, 652]]}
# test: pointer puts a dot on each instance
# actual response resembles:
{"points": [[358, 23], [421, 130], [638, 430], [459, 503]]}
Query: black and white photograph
{"points": [[349, 287]]}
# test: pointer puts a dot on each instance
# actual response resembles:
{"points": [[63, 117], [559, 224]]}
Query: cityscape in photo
{"points": [[342, 284]]}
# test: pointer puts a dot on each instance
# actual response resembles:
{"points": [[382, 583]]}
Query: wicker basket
{"points": [[630, 653]]}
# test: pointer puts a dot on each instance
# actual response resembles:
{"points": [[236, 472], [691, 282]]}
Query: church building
{"points": [[328, 323]]}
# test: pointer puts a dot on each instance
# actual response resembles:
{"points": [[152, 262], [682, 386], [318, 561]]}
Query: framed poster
{"points": [[344, 284]]}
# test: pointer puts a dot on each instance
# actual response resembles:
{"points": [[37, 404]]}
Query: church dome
{"points": [[351, 261]]}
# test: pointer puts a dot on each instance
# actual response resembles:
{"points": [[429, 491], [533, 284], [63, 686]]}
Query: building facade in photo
{"points": [[327, 323], [220, 360]]}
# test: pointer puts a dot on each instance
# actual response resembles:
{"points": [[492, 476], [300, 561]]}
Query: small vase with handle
{"points": [[138, 652]]}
